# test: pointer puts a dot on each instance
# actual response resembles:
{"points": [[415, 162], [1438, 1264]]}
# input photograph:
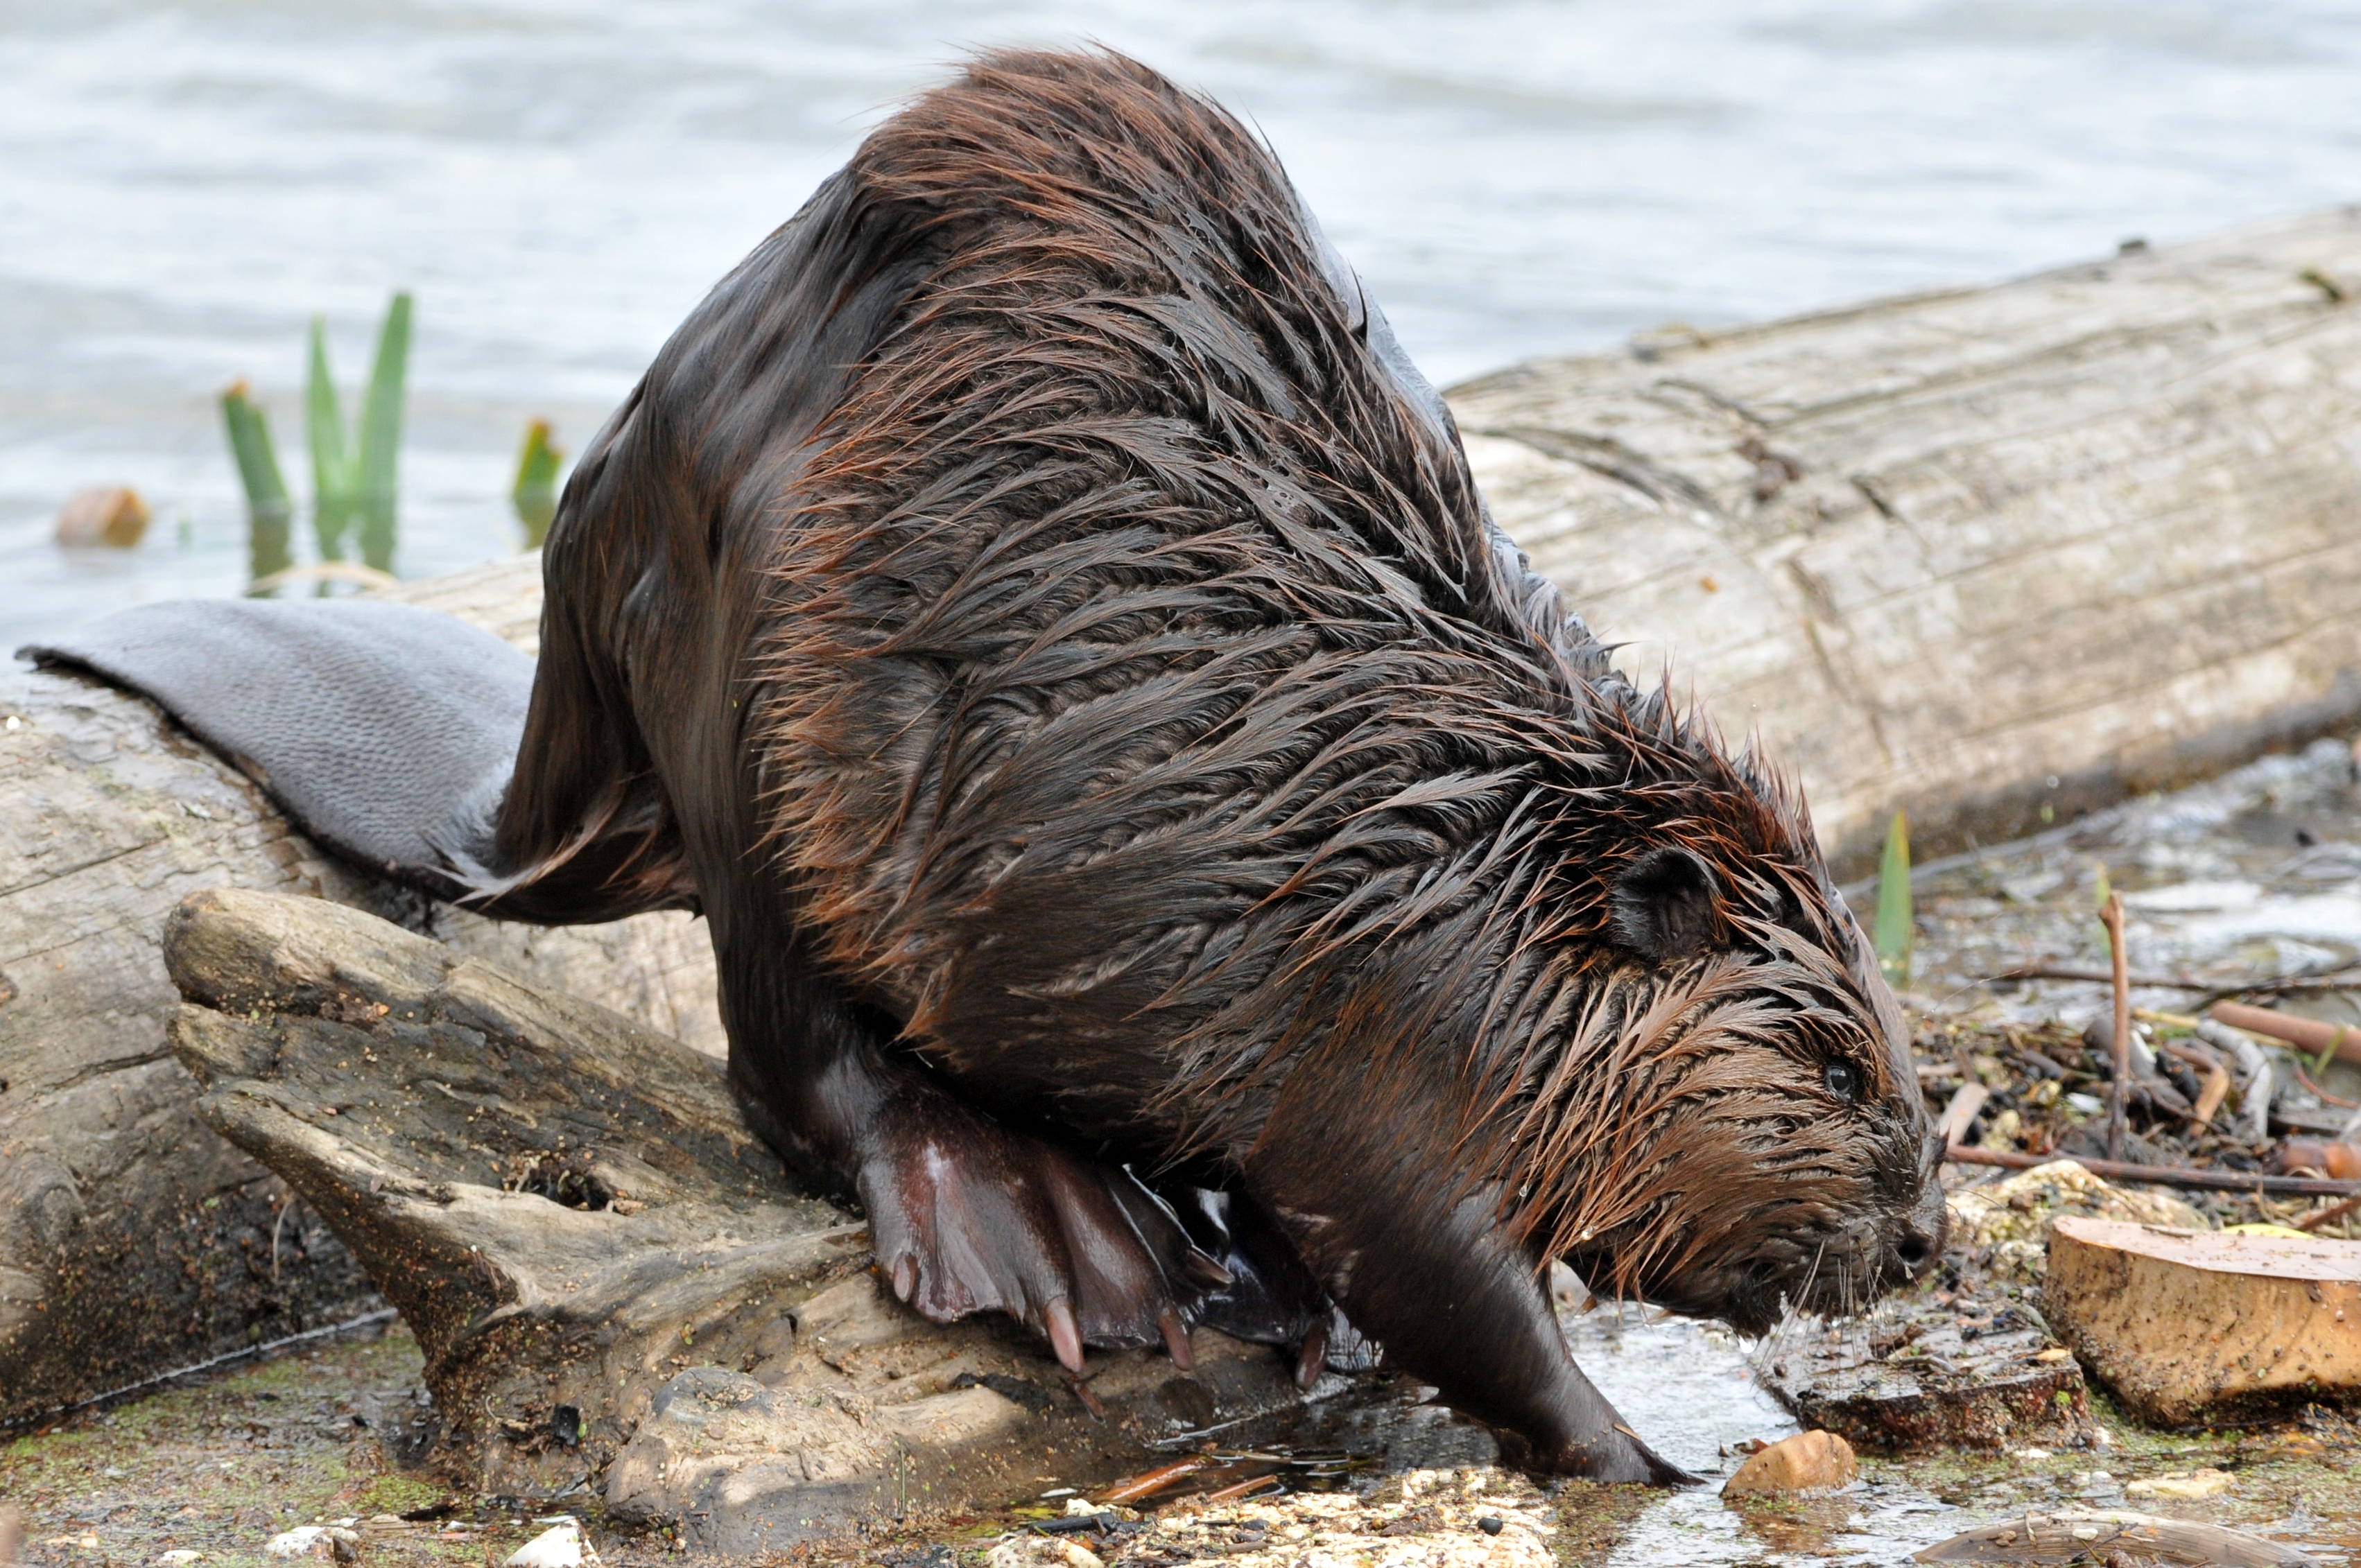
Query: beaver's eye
{"points": [[1842, 1078]]}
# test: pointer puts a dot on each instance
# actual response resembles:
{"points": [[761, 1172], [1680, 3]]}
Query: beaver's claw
{"points": [[968, 1215]]}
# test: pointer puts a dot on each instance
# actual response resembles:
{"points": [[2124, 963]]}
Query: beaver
{"points": [[1169, 857]]}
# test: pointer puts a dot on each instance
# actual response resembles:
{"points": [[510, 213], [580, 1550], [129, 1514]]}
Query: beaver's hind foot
{"points": [[968, 1215]]}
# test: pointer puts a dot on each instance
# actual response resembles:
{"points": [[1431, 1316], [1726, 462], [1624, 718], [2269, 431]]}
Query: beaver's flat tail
{"points": [[386, 732]]}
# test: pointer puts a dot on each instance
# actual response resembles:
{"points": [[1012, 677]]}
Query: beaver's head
{"points": [[1710, 1102]]}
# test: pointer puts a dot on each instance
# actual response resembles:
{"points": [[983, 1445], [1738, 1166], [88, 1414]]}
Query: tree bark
{"points": [[132, 1240]]}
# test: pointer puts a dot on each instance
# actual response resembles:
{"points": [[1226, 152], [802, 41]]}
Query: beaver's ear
{"points": [[1662, 906]]}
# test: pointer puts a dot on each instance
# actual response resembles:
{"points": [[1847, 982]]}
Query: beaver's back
{"points": [[1131, 614]]}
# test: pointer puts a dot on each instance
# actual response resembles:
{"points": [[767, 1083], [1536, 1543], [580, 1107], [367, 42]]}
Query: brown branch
{"points": [[2320, 1217], [2119, 1089], [2100, 976], [2325, 1041], [2217, 1081], [2324, 1097], [2162, 1175]]}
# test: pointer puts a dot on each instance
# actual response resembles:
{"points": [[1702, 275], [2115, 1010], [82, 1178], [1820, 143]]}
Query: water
{"points": [[181, 187]]}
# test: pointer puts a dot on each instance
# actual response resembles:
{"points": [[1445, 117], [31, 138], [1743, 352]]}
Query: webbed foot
{"points": [[969, 1215]]}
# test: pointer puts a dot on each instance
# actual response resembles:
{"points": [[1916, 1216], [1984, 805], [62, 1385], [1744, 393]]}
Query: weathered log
{"points": [[609, 1275], [132, 1240], [1992, 554]]}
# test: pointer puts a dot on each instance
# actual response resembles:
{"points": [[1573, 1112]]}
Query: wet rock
{"points": [[1041, 1551], [105, 515], [560, 1546], [1979, 1370], [2184, 1326], [2183, 1486], [1808, 1462], [2113, 1535], [332, 1544]]}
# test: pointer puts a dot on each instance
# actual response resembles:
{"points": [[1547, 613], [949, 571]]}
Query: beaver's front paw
{"points": [[1614, 1454], [970, 1216]]}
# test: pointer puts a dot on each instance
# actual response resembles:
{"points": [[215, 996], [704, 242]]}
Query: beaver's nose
{"points": [[1921, 1242]]}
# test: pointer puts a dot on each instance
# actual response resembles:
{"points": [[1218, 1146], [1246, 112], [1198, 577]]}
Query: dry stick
{"points": [[2207, 992], [2320, 1217], [1952, 1125], [2324, 1096], [2328, 1042], [2163, 1175], [1148, 1484], [2217, 1081], [2119, 1092], [2100, 976]]}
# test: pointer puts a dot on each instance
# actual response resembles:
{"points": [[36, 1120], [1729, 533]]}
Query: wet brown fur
{"points": [[1026, 597], [1143, 700]]}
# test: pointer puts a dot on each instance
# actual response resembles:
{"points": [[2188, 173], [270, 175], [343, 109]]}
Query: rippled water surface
{"points": [[181, 187]]}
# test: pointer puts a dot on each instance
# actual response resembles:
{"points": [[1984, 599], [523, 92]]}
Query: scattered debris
{"points": [[2007, 1222], [2186, 1325], [1808, 1462], [2110, 1536], [1028, 1550], [1971, 1363], [109, 516]]}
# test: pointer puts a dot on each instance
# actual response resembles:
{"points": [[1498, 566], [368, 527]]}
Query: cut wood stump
{"points": [[132, 1240], [609, 1278], [2184, 1326]]}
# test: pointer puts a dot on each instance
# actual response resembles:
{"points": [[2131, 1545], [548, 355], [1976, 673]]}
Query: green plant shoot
{"points": [[535, 495], [1895, 926], [269, 514], [354, 484]]}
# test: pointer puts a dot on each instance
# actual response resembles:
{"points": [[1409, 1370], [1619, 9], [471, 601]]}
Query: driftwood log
{"points": [[610, 1279], [1995, 555], [132, 1240]]}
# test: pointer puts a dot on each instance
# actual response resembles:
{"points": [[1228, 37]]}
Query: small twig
{"points": [[278, 1221], [2320, 1217], [2327, 1041], [1952, 1125], [2097, 977], [1237, 1491], [2119, 1092], [2162, 1175], [2338, 1100], [2207, 992], [1162, 1478], [2217, 1081]]}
